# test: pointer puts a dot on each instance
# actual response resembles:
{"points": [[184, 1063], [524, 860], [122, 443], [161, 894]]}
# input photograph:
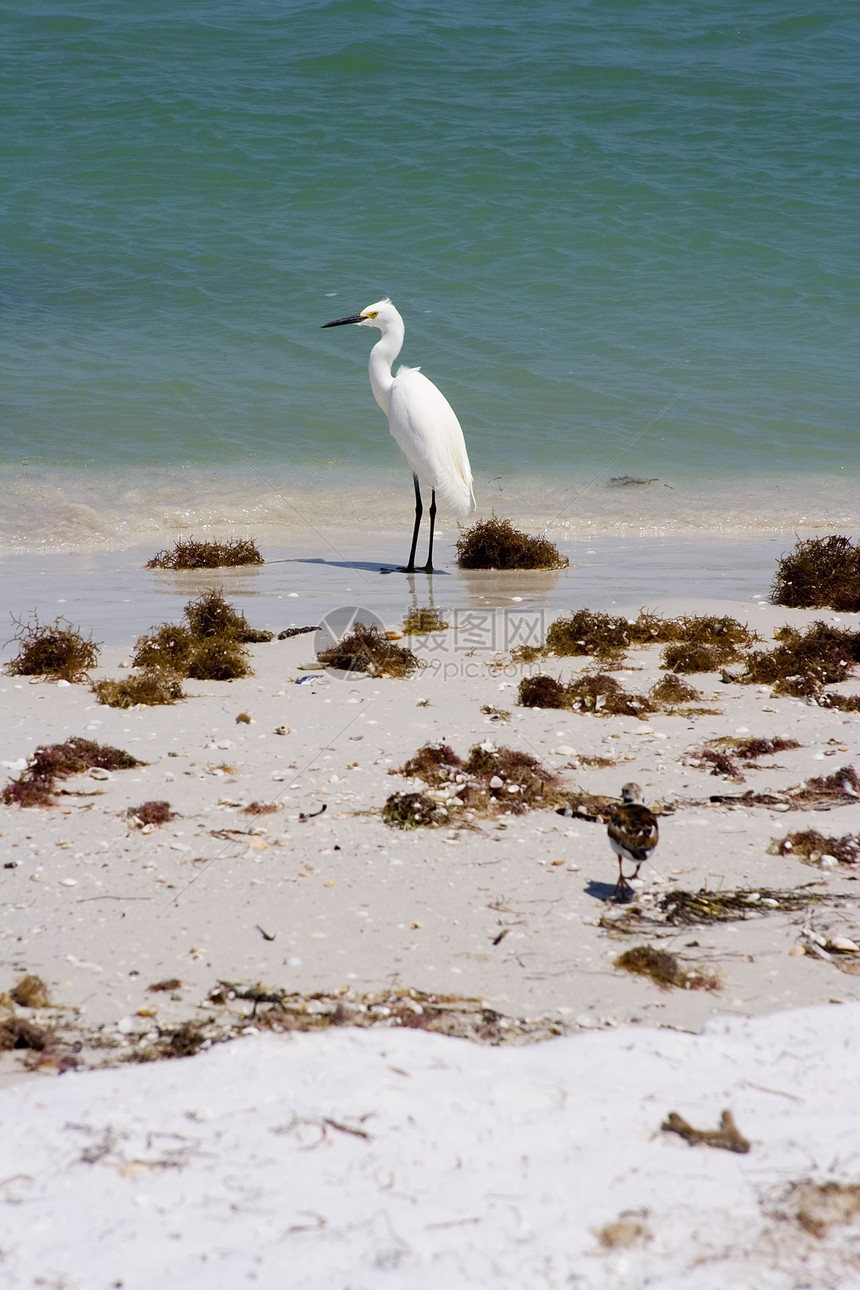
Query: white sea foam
{"points": [[54, 511]]}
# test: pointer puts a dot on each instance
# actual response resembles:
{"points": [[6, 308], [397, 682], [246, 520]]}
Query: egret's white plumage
{"points": [[421, 421]]}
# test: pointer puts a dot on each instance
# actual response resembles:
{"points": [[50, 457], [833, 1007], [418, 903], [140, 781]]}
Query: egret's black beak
{"points": [[341, 322]]}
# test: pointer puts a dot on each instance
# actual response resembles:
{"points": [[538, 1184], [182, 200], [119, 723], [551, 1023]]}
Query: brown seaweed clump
{"points": [[723, 756], [843, 785], [219, 658], [490, 781], [718, 762], [810, 847], [496, 544], [17, 1033], [602, 695], [694, 643], [211, 615], [156, 813], [705, 643], [543, 692], [367, 649], [670, 691], [508, 779], [681, 908], [191, 553], [209, 646], [803, 662], [183, 1040], [260, 808], [164, 649], [587, 632], [842, 788], [54, 650], [434, 763], [665, 969], [690, 656], [30, 992], [51, 762], [413, 811], [447, 1014], [751, 749], [148, 688], [820, 573], [840, 702], [423, 621]]}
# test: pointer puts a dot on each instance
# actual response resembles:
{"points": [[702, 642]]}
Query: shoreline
{"points": [[113, 595], [76, 511]]}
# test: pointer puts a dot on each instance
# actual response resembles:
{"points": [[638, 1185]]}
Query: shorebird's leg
{"points": [[622, 884], [428, 568], [419, 511]]}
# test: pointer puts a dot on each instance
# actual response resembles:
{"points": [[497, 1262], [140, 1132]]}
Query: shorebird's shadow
{"points": [[600, 890]]}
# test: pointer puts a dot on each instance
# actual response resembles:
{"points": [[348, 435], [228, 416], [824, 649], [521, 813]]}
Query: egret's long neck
{"points": [[382, 356]]}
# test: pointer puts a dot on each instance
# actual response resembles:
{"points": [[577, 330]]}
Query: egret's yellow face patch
{"points": [[372, 313]]}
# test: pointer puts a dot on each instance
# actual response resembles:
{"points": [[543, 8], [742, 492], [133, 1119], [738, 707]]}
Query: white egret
{"points": [[421, 420]]}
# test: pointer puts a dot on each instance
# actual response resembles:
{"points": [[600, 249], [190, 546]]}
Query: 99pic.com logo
{"points": [[340, 637]]}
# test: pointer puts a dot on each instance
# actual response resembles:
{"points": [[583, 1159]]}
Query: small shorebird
{"points": [[633, 834]]}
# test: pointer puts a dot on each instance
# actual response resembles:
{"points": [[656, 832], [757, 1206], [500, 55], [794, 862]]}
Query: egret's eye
{"points": [[373, 314]]}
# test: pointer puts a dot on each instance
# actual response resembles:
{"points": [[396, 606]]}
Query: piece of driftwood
{"points": [[726, 1136]]}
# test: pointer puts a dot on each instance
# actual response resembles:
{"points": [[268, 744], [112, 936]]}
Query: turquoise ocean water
{"points": [[622, 235]]}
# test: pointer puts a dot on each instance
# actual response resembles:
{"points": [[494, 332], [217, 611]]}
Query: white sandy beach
{"points": [[507, 912]]}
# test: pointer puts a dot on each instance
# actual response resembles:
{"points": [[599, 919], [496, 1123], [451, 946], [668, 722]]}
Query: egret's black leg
{"points": [[419, 511], [428, 568]]}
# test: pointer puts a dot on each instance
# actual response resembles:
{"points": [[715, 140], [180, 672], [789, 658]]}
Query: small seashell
{"points": [[496, 782], [797, 951], [829, 862], [98, 772], [844, 944]]}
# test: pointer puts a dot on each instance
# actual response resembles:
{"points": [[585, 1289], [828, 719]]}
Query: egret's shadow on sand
{"points": [[369, 566]]}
